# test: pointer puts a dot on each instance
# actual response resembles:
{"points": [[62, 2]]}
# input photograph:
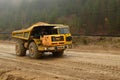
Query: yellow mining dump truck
{"points": [[42, 37]]}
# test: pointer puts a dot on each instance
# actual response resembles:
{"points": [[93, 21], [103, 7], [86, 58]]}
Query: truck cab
{"points": [[43, 37]]}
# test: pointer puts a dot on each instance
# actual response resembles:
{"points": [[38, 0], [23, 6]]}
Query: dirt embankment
{"points": [[74, 65]]}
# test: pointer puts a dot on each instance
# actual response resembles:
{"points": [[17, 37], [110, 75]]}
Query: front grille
{"points": [[69, 38], [57, 38]]}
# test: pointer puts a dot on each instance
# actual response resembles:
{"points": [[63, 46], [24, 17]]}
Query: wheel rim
{"points": [[17, 49], [32, 50]]}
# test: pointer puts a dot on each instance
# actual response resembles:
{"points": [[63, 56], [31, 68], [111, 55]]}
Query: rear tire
{"points": [[33, 51], [58, 54], [20, 49]]}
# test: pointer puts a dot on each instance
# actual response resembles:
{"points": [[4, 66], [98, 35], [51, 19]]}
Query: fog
{"points": [[13, 2], [85, 16]]}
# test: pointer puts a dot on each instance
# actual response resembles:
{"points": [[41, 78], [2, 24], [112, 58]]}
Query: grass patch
{"points": [[105, 42]]}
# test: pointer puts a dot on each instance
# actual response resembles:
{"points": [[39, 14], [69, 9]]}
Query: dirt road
{"points": [[74, 65]]}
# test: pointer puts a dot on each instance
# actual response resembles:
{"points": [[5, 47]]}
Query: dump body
{"points": [[47, 37]]}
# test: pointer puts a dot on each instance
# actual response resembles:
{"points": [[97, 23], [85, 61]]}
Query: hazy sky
{"points": [[13, 2]]}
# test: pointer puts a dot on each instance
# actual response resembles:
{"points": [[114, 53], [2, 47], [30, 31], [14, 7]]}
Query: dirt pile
{"points": [[5, 75]]}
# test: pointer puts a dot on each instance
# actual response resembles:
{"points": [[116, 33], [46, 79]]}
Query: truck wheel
{"points": [[58, 54], [33, 51], [20, 49]]}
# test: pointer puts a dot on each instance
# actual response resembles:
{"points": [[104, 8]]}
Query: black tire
{"points": [[58, 54], [33, 51], [20, 49]]}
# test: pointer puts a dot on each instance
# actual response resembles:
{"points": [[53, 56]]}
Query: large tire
{"points": [[33, 51], [58, 54], [20, 49]]}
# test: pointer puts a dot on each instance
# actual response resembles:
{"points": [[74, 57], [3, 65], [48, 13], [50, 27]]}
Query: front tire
{"points": [[33, 51], [20, 49]]}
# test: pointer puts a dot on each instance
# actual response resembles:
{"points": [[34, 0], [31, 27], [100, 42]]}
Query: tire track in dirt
{"points": [[72, 66], [60, 66]]}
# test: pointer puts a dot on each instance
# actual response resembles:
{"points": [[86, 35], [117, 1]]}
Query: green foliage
{"points": [[83, 16]]}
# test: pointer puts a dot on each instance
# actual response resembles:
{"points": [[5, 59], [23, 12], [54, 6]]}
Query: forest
{"points": [[93, 17]]}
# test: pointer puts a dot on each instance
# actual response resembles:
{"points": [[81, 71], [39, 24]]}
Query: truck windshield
{"points": [[64, 30]]}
